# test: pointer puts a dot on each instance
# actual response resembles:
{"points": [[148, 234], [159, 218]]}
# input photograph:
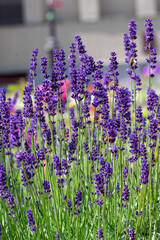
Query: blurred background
{"points": [[45, 24]]}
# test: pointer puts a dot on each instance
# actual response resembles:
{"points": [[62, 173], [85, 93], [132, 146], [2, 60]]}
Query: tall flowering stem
{"points": [[131, 59], [151, 60]]}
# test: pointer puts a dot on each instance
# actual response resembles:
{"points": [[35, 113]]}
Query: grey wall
{"points": [[17, 43], [117, 7], [158, 5], [69, 11]]}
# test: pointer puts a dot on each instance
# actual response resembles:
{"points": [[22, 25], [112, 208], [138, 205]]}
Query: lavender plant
{"points": [[72, 173]]}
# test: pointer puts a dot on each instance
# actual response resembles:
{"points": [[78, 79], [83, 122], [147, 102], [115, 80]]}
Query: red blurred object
{"points": [[68, 84], [55, 3], [63, 89], [90, 88]]}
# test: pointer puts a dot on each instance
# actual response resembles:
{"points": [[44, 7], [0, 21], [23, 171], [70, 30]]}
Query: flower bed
{"points": [[85, 172]]}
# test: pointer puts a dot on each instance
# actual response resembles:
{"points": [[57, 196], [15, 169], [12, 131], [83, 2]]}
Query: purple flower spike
{"points": [[46, 186], [117, 188], [123, 100], [44, 62], [33, 64], [3, 187], [149, 32], [136, 188], [132, 30], [57, 236], [152, 100], [153, 128], [131, 233], [139, 115], [99, 183], [100, 234], [144, 173], [112, 73], [69, 205], [77, 212], [27, 100], [100, 201], [57, 165], [125, 172], [126, 42], [78, 199], [125, 193], [134, 149], [31, 221], [123, 130], [80, 46]]}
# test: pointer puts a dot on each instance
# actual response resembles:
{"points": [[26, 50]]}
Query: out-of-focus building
{"points": [[23, 24]]}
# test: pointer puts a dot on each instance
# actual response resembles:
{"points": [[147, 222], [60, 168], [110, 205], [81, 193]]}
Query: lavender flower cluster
{"points": [[66, 171]]}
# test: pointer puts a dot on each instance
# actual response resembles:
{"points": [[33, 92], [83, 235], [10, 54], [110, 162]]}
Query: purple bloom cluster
{"points": [[5, 191], [57, 165], [85, 110], [125, 193], [38, 96], [44, 62], [78, 198], [132, 36], [112, 128], [27, 101], [132, 30], [79, 79], [145, 166], [100, 234], [149, 31], [33, 64], [131, 233], [149, 34], [134, 148], [69, 204], [125, 173], [112, 73], [28, 161], [99, 183], [100, 201], [130, 47], [3, 187], [144, 173], [152, 100], [57, 236], [122, 101], [126, 42], [4, 120], [117, 187], [136, 188], [46, 186], [31, 221], [15, 133], [86, 149], [153, 128], [139, 117], [80, 46], [106, 170], [123, 130], [61, 168]]}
